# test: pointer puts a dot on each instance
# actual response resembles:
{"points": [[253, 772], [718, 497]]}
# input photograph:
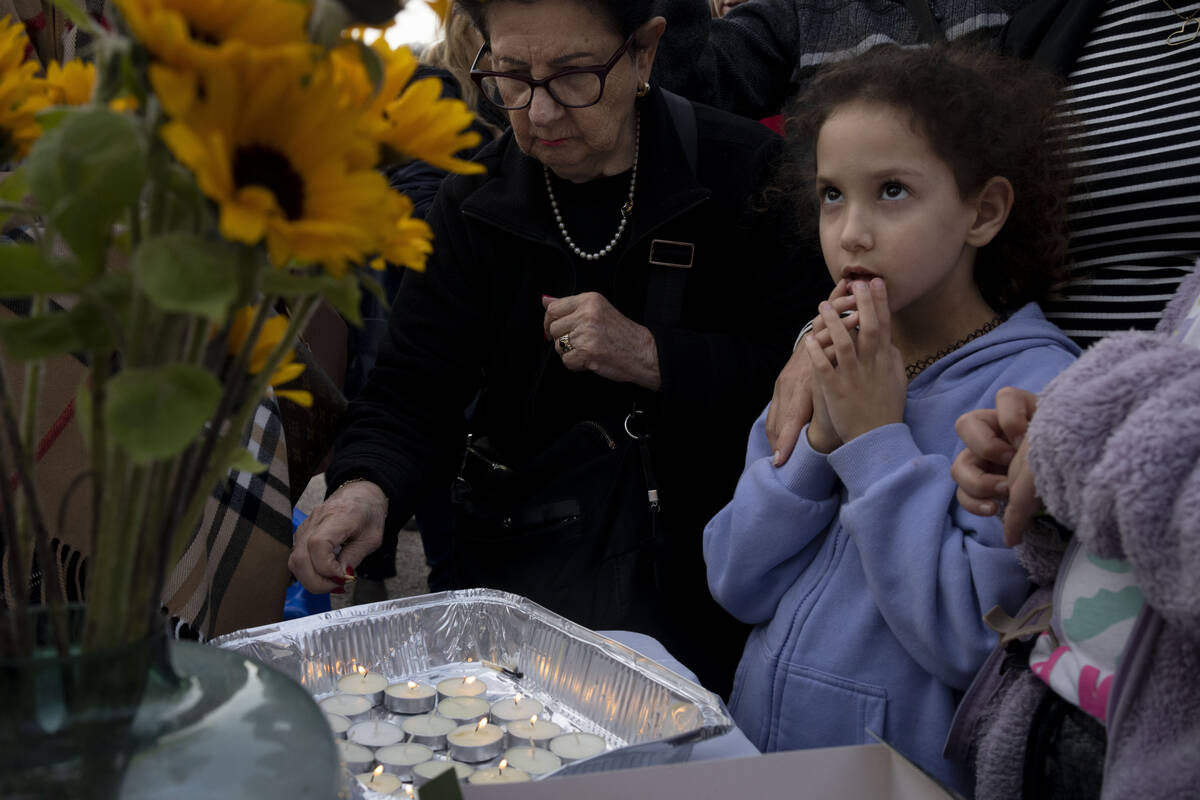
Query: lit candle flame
{"points": [[482, 724], [517, 700], [408, 790], [503, 763], [362, 671], [412, 685], [375, 773], [533, 720], [469, 679]]}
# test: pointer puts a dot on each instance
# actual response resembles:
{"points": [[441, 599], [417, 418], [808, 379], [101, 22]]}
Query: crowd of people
{"points": [[885, 426]]}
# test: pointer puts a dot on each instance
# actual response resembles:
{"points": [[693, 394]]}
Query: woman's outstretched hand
{"points": [[601, 340], [993, 471], [339, 534]]}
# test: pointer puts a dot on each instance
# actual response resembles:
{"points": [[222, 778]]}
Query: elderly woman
{"points": [[617, 302]]}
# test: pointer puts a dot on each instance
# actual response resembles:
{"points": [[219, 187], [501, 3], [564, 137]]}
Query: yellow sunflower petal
{"points": [[424, 126], [245, 218], [286, 373], [298, 396], [71, 83]]}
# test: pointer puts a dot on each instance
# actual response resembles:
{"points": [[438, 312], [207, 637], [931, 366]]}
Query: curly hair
{"points": [[985, 116]]}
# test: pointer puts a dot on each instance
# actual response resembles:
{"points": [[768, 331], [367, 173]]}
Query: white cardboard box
{"points": [[869, 772]]}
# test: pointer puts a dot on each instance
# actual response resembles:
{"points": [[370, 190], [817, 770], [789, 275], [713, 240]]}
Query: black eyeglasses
{"points": [[577, 87]]}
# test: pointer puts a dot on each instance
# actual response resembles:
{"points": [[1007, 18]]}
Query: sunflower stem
{"points": [[304, 309]]}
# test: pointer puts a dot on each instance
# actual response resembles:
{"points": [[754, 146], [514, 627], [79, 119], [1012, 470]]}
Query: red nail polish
{"points": [[349, 570], [339, 581]]}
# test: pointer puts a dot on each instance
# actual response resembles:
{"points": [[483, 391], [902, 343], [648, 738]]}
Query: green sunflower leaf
{"points": [[52, 334], [156, 412], [368, 281], [244, 461], [25, 270], [372, 63], [13, 190], [343, 295], [189, 274], [85, 174], [291, 284], [73, 11]]}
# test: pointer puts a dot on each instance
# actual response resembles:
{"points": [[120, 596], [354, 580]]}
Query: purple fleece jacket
{"points": [[1115, 448]]}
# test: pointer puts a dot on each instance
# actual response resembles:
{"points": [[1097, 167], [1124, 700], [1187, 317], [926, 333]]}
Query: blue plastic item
{"points": [[299, 602]]}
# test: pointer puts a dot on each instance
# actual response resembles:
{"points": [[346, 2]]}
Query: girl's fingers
{"points": [[868, 322], [843, 344], [883, 316]]}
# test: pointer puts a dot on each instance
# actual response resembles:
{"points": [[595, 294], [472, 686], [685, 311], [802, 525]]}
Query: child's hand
{"points": [[865, 388], [843, 303]]}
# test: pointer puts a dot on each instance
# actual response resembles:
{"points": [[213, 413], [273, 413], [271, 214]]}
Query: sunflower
{"points": [[407, 116], [21, 94], [70, 84], [280, 153], [407, 241], [268, 339], [192, 33]]}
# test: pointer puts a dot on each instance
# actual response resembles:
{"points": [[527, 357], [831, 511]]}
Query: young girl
{"points": [[941, 219]]}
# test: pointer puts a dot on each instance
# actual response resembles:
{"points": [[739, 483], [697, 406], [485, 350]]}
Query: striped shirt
{"points": [[1135, 204]]}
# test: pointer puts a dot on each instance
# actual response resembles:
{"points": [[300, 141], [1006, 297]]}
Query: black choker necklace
{"points": [[917, 367]]}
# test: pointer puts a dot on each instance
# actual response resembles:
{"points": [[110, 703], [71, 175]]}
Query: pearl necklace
{"points": [[626, 210]]}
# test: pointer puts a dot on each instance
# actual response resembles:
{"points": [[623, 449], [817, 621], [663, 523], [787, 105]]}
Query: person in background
{"points": [[1130, 70], [1095, 695], [760, 53], [605, 281], [941, 217]]}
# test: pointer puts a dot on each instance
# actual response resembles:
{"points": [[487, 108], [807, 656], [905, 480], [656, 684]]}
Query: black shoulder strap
{"points": [[668, 273], [930, 30], [684, 117]]}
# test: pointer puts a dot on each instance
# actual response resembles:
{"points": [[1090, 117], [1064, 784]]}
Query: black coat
{"points": [[472, 325]]}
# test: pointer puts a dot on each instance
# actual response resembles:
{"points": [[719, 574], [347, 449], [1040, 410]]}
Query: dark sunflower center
{"points": [[203, 36], [257, 165], [7, 149]]}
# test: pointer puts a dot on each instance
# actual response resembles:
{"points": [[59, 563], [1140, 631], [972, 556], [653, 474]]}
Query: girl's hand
{"points": [[865, 389], [843, 303]]}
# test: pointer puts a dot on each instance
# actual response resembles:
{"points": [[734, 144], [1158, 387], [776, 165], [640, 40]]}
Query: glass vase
{"points": [[154, 719]]}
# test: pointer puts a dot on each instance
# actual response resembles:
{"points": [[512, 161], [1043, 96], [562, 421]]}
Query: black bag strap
{"points": [[668, 274], [930, 30]]}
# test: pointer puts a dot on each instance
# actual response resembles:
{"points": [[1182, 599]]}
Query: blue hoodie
{"points": [[864, 578]]}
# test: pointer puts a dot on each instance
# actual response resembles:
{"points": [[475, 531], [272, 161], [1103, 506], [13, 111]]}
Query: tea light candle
{"points": [[399, 759], [515, 708], [353, 707], [356, 757], [429, 729], [574, 746], [380, 781], [463, 709], [501, 773], [375, 733], [469, 686], [533, 760], [475, 743], [426, 771], [532, 731], [409, 697], [368, 684], [338, 724]]}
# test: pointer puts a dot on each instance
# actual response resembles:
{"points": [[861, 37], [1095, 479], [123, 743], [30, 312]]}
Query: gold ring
{"points": [[564, 343]]}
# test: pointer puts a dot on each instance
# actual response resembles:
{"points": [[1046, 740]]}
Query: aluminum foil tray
{"points": [[647, 714]]}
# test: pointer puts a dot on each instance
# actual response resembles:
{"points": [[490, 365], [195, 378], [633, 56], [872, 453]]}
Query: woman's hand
{"points": [[339, 534], [792, 399], [602, 340], [993, 467], [865, 387]]}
